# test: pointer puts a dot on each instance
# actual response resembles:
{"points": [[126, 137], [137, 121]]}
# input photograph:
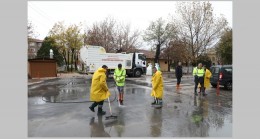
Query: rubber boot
{"points": [[155, 101], [121, 102], [121, 98], [179, 86], [204, 93], [100, 111], [195, 93], [92, 107]]}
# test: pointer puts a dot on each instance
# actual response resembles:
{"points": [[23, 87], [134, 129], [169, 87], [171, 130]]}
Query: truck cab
{"points": [[138, 66]]}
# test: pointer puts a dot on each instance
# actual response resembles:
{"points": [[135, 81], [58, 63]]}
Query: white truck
{"points": [[94, 57]]}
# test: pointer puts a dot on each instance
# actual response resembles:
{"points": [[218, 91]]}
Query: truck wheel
{"points": [[137, 73]]}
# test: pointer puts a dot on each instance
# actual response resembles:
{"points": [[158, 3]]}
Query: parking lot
{"points": [[59, 108]]}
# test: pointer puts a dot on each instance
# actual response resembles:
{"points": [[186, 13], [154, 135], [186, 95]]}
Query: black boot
{"points": [[155, 101], [100, 111], [93, 106], [195, 93]]}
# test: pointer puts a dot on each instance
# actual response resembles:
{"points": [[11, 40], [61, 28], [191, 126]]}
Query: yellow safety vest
{"points": [[119, 76], [198, 72]]}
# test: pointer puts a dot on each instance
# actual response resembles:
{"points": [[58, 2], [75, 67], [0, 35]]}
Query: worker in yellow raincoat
{"points": [[157, 86], [99, 90], [207, 76]]}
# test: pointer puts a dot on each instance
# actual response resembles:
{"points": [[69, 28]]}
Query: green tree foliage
{"points": [[69, 40], [204, 59], [44, 51], [75, 41], [224, 49], [58, 33]]}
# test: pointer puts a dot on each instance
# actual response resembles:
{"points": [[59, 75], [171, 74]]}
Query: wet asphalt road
{"points": [[59, 108]]}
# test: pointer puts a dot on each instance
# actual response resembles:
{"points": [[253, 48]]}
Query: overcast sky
{"points": [[43, 14]]}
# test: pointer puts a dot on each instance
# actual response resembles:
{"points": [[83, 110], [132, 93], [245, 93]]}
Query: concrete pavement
{"points": [[183, 114]]}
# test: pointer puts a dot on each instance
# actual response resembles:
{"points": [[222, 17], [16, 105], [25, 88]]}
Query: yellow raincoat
{"points": [[157, 84], [99, 90], [206, 79]]}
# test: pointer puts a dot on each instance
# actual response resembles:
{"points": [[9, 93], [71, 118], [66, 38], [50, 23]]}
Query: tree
{"points": [[113, 36], [103, 34], [69, 40], [159, 33], [44, 51], [75, 41], [30, 31], [58, 34], [125, 40], [224, 48], [204, 59], [198, 27]]}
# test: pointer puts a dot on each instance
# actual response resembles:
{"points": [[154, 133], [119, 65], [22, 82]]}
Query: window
{"points": [[141, 56], [32, 44], [128, 63], [228, 71]]}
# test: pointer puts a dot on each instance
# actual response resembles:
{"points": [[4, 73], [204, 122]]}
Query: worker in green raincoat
{"points": [[119, 77]]}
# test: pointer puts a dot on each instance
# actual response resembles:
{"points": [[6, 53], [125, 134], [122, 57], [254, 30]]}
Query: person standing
{"points": [[207, 77], [157, 87], [99, 90], [119, 77], [198, 73], [178, 74]]}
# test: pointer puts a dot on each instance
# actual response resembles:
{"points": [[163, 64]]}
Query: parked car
{"points": [[223, 74]]}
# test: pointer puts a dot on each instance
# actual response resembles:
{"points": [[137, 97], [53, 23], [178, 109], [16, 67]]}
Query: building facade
{"points": [[150, 55], [33, 46]]}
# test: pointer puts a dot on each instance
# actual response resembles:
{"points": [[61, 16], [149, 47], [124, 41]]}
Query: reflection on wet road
{"points": [[51, 113]]}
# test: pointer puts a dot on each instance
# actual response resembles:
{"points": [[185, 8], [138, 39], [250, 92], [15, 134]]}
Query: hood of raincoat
{"points": [[99, 90]]}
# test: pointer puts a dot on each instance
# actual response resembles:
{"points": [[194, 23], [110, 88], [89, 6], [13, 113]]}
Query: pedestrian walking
{"points": [[178, 74], [198, 73], [119, 77], [157, 87], [99, 90]]}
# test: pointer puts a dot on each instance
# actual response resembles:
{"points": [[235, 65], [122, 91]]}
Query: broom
{"points": [[111, 115]]}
